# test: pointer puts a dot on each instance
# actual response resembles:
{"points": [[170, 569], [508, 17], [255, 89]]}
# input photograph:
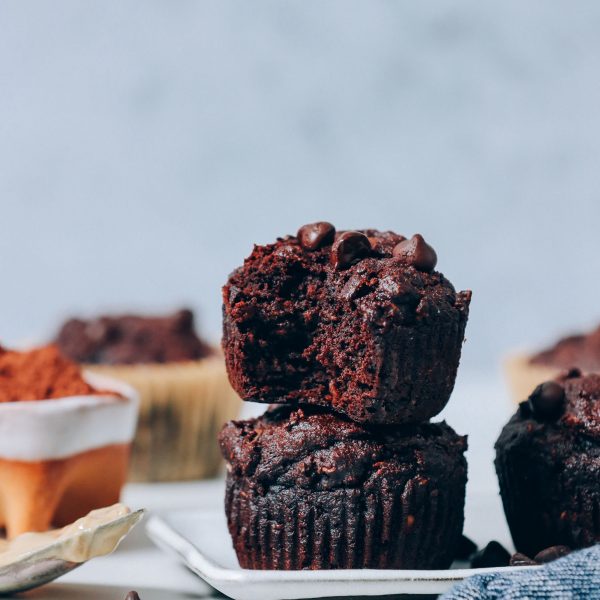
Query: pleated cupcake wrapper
{"points": [[424, 364], [182, 408], [569, 516], [396, 527]]}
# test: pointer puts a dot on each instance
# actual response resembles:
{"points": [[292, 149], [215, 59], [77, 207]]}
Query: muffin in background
{"points": [[184, 392], [309, 489], [526, 371], [64, 440], [548, 465]]}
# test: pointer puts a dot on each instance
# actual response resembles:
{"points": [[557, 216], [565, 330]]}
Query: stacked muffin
{"points": [[358, 339]]}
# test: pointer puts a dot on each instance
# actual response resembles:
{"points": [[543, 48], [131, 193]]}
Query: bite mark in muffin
{"points": [[357, 321]]}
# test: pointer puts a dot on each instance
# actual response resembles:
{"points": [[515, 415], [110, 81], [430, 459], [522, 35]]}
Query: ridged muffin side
{"points": [[311, 490]]}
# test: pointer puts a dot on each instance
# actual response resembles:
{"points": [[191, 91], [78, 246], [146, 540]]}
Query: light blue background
{"points": [[144, 146]]}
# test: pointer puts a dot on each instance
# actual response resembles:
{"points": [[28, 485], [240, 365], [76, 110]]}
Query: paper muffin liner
{"points": [[182, 408], [415, 526], [523, 376], [422, 364], [547, 506]]}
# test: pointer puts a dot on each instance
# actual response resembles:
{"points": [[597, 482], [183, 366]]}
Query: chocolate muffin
{"points": [[581, 351], [185, 395], [132, 339], [359, 322], [548, 465], [309, 489]]}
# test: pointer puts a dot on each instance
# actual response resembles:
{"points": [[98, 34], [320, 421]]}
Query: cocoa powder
{"points": [[39, 374]]}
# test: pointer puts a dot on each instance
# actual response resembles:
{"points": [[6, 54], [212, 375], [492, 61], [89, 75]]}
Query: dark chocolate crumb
{"points": [[466, 548], [417, 253], [547, 401], [493, 555]]}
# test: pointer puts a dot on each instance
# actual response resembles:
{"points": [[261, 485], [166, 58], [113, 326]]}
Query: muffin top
{"points": [[387, 277], [40, 374], [582, 351], [314, 449], [132, 339], [569, 406]]}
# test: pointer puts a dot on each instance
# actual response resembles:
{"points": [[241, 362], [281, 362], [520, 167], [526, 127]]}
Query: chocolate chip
{"points": [[571, 373], [525, 409], [132, 596], [551, 553], [349, 248], [466, 548], [417, 253], [316, 235], [521, 560], [547, 400], [493, 555]]}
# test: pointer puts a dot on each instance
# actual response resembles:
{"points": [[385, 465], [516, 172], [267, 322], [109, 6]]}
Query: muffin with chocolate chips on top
{"points": [[310, 489], [548, 465], [357, 321]]}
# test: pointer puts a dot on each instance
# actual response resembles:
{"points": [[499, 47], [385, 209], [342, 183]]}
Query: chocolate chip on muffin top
{"points": [[572, 402], [548, 461], [358, 321]]}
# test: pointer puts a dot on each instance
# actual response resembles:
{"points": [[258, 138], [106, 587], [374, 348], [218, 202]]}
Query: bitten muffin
{"points": [[185, 395], [359, 322], [308, 489], [64, 440], [548, 465], [576, 351]]}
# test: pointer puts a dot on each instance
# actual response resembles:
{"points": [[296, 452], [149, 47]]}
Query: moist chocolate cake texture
{"points": [[548, 465], [358, 339], [310, 489], [132, 339], [358, 321]]}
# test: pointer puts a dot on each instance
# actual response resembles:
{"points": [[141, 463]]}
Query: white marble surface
{"points": [[145, 145]]}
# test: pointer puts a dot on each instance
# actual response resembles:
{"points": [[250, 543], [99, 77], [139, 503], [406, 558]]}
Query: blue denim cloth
{"points": [[570, 578]]}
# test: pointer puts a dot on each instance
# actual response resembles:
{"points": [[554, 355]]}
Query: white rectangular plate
{"points": [[201, 540]]}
